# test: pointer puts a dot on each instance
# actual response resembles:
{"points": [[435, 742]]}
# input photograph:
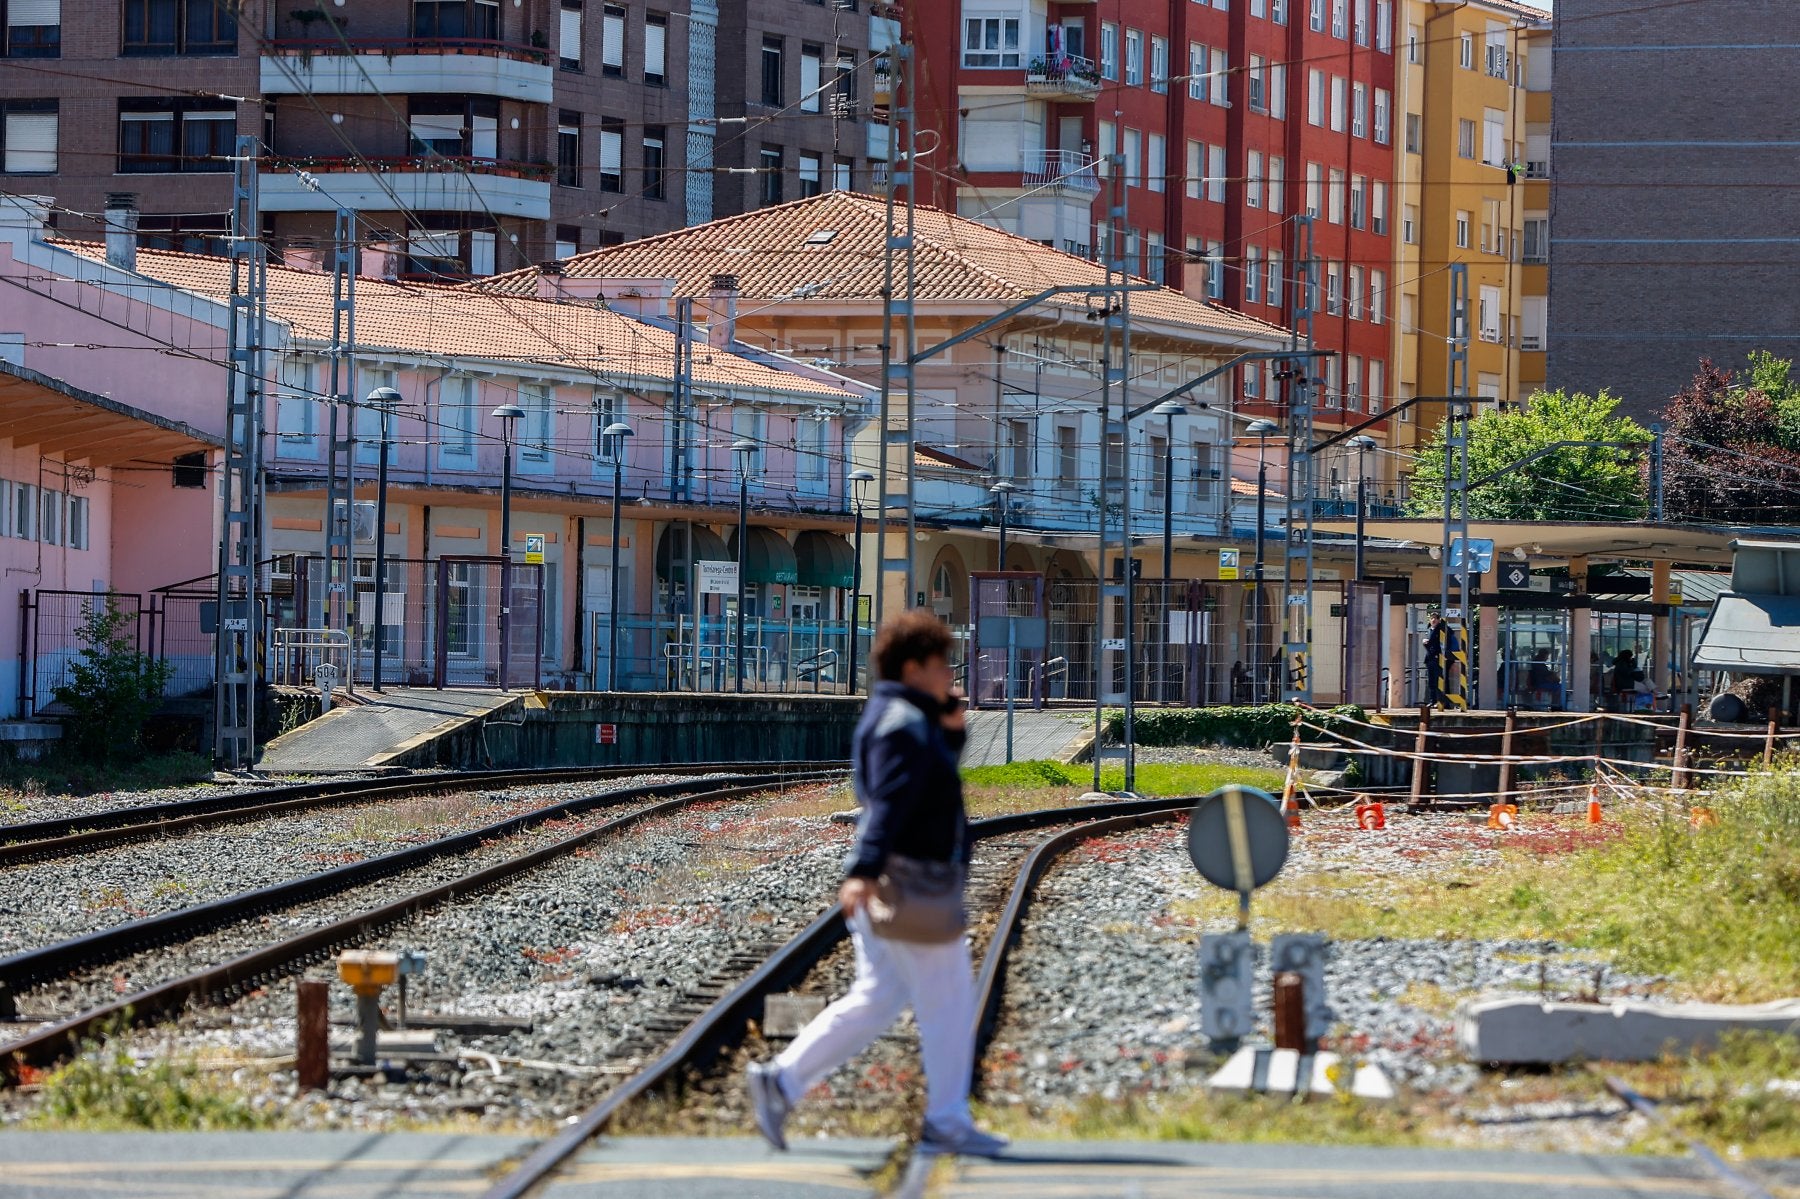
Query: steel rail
{"points": [[727, 1018], [28, 968], [259, 966], [41, 839]]}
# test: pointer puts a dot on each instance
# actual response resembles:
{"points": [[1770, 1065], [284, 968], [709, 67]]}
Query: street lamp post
{"points": [[1260, 428], [508, 415], [1168, 410], [1002, 493], [1362, 444], [859, 479], [383, 400], [743, 448], [615, 435]]}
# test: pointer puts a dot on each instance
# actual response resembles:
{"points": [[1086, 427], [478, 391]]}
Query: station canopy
{"points": [[1553, 541]]}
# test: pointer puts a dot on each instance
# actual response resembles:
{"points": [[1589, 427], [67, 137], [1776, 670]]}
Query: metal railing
{"points": [[1067, 170], [299, 652], [676, 653], [309, 47]]}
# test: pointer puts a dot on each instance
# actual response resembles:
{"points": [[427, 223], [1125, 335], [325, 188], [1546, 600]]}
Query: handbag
{"points": [[919, 901]]}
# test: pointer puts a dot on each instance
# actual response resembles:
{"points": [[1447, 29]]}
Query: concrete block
{"points": [[1522, 1030], [786, 1014], [1288, 1072]]}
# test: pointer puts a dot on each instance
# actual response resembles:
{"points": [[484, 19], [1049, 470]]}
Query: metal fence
{"points": [[671, 653]]}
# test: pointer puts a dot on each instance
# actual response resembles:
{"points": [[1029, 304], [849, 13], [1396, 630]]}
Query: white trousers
{"points": [[935, 981]]}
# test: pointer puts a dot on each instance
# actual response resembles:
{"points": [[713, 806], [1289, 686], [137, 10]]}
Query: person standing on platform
{"points": [[1434, 639]]}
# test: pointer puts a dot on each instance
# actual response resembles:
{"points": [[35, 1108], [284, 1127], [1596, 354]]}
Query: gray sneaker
{"points": [[964, 1140], [769, 1102]]}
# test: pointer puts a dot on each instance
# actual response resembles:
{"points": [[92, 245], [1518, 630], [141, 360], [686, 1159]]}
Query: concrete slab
{"points": [[378, 732], [1048, 734], [1288, 1072], [1529, 1031], [720, 1168]]}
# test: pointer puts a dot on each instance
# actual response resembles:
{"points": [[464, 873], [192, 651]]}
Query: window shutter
{"points": [[570, 46], [611, 147], [31, 142], [655, 49], [612, 39], [33, 12]]}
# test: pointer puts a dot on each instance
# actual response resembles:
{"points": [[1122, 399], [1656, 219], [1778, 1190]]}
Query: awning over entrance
{"points": [[1752, 634], [770, 558], [825, 559], [672, 554]]}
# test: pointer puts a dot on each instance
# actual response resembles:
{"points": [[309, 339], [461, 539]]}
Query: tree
{"points": [[1569, 483], [1732, 449], [113, 688]]}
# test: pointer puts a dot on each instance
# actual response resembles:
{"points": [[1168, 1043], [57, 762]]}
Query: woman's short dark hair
{"points": [[913, 636]]}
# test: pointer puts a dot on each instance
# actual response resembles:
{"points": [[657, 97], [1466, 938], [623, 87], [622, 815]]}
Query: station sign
{"points": [[1515, 576], [606, 734], [534, 549], [1228, 563], [717, 578], [1479, 551]]}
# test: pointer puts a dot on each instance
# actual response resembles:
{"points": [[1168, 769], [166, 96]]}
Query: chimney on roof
{"points": [[721, 302], [550, 280], [23, 218], [121, 230], [380, 260]]}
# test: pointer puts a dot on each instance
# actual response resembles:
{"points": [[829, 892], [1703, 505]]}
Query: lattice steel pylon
{"points": [[1297, 575], [1457, 412], [340, 452], [237, 654], [898, 368], [1114, 494]]}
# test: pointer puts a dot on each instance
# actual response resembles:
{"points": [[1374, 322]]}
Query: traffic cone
{"points": [[1593, 811], [1503, 816], [1290, 807], [1371, 816], [1702, 818]]}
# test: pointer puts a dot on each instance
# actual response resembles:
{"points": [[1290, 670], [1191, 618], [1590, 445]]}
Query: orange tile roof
{"points": [[449, 322], [777, 251], [926, 455]]}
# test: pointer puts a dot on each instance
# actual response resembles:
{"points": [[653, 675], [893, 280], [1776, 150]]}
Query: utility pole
{"points": [[238, 628], [897, 318], [1656, 470], [1456, 487], [340, 452], [1297, 586], [1115, 328], [681, 479]]}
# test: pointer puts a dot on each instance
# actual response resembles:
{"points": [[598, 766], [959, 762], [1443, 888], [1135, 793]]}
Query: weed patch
{"points": [[106, 1089]]}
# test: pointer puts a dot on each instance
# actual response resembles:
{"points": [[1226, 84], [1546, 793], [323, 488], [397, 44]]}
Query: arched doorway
{"points": [[947, 587]]}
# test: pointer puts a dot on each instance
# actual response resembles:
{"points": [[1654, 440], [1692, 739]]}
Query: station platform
{"points": [[245, 1165], [1051, 733], [386, 729]]}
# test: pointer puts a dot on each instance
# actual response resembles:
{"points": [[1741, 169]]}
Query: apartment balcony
{"points": [[1067, 76], [1062, 172], [416, 183], [407, 66], [1498, 62]]}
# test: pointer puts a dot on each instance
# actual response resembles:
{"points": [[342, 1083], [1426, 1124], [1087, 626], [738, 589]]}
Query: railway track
{"points": [[723, 1021], [47, 839], [250, 970]]}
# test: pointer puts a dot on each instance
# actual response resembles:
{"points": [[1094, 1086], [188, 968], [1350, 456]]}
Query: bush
{"points": [[1253, 727], [113, 687], [105, 1088]]}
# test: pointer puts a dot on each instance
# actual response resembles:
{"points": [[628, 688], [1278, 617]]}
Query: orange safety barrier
{"points": [[1503, 816]]}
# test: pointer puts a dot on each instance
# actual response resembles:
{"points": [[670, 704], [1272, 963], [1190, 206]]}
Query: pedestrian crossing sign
{"points": [[534, 549], [1228, 564]]}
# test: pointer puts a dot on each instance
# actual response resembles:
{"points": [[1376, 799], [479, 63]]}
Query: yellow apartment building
{"points": [[1471, 187]]}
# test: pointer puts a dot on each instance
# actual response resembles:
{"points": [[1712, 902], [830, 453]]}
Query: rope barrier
{"points": [[1446, 733]]}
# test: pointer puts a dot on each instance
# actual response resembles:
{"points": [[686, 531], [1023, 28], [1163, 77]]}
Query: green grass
{"points": [[104, 1089], [1724, 1098], [1714, 908], [61, 773], [1024, 786], [1223, 1117]]}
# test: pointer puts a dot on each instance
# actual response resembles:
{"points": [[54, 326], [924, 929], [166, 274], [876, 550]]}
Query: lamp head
{"points": [[617, 429], [860, 475], [1362, 443], [743, 445], [1262, 427], [1169, 410], [1002, 489], [508, 412], [382, 397]]}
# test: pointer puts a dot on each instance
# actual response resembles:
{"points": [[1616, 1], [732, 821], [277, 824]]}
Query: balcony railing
{"points": [[1064, 171], [1531, 343], [391, 47], [1497, 61], [414, 164], [1065, 75]]}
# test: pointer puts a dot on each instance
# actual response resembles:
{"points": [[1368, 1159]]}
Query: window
{"points": [[1361, 26], [656, 50], [1465, 138], [1315, 176], [1359, 202], [160, 27], [32, 29], [1488, 312], [770, 162], [1068, 459], [78, 522], [1196, 169], [1531, 333], [1316, 15], [1252, 285], [612, 154], [843, 98], [811, 175], [1134, 57], [1258, 83], [1258, 8], [1377, 382], [771, 71], [991, 42], [1109, 51], [612, 41], [1355, 294], [157, 136], [1204, 470], [1466, 54], [1359, 111], [456, 19], [568, 241], [295, 406], [1462, 230], [1338, 89], [1253, 179], [1409, 225], [1130, 147], [840, 175], [1384, 103], [1197, 82], [1154, 266], [1384, 34], [457, 415], [1377, 302], [1409, 313], [1278, 91], [1353, 372], [655, 175], [1156, 449], [24, 511], [1334, 197], [1159, 64], [50, 514], [1493, 137], [1215, 171], [1339, 27], [1315, 97], [568, 46], [1215, 267], [1276, 282], [28, 131], [1334, 289], [1378, 220], [568, 149], [811, 63], [1537, 238], [1415, 133], [1277, 184], [1157, 166], [536, 437]]}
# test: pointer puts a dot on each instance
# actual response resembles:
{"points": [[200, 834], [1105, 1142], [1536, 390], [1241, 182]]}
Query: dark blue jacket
{"points": [[904, 765]]}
